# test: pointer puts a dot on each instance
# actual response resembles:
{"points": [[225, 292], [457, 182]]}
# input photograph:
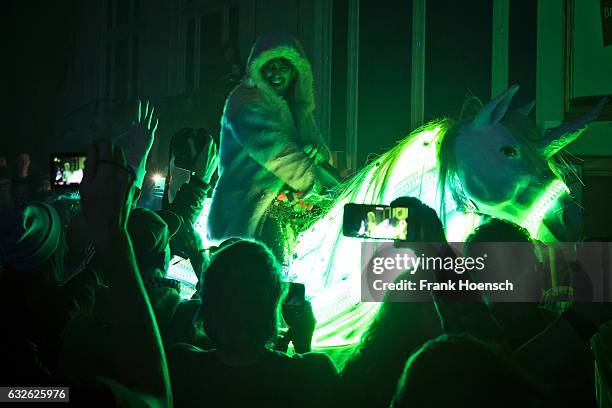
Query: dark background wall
{"points": [[385, 39], [522, 48], [457, 54], [75, 68], [39, 46]]}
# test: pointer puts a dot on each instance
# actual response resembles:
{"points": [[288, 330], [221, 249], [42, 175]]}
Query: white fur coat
{"points": [[262, 136]]}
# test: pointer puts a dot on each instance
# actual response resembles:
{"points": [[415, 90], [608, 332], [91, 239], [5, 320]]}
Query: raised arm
{"points": [[106, 193], [141, 138]]}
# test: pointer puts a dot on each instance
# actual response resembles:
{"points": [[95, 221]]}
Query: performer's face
{"points": [[278, 72]]}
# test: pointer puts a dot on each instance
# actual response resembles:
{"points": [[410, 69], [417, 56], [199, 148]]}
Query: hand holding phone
{"points": [[406, 219], [425, 225], [297, 313]]}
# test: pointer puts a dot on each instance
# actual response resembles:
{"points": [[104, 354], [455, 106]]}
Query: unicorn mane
{"points": [[421, 166], [328, 263]]}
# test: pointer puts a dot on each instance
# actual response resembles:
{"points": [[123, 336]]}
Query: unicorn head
{"points": [[499, 164]]}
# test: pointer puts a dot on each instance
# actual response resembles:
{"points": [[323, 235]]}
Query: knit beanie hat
{"points": [[29, 235]]}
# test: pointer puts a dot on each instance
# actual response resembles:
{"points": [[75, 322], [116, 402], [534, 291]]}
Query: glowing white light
{"points": [[200, 224], [158, 178]]}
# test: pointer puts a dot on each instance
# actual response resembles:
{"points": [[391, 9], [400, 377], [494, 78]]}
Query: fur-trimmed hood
{"points": [[281, 45]]}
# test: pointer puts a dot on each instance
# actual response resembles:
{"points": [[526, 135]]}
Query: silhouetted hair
{"points": [[496, 230], [241, 294], [462, 371], [398, 329]]}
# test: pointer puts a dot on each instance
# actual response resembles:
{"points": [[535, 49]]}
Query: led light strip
{"points": [[538, 210], [342, 319]]}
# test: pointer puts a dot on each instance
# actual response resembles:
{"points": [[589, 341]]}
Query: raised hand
{"points": [[207, 161], [106, 192], [316, 153], [301, 322], [424, 224], [141, 138]]}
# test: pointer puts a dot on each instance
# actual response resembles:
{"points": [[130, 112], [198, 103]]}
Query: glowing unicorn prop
{"points": [[496, 164]]}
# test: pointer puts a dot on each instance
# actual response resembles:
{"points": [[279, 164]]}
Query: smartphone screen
{"points": [[66, 169], [181, 270], [375, 221]]}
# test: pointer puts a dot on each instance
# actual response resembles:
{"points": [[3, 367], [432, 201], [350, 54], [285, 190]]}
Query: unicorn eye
{"points": [[510, 151]]}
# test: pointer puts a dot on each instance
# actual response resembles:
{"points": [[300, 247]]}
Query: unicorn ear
{"points": [[526, 110], [557, 138], [494, 111]]}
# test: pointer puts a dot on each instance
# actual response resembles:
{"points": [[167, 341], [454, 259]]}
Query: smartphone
{"points": [[375, 222], [186, 145], [66, 169], [296, 295], [178, 177], [180, 269]]}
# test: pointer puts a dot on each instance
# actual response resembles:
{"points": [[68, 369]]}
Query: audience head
{"points": [[4, 169], [224, 244], [521, 255], [241, 294], [397, 330], [229, 52], [150, 233], [32, 251], [23, 164], [497, 230], [45, 184], [461, 371], [30, 236]]}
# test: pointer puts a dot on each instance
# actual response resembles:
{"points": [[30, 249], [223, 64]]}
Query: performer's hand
{"points": [[295, 200], [316, 153]]}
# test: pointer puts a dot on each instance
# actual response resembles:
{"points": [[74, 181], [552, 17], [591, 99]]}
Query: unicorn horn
{"points": [[494, 111], [526, 109], [557, 138]]}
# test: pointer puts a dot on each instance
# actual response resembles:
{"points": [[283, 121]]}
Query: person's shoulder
{"points": [[313, 376], [185, 355], [186, 359], [245, 100], [315, 363], [185, 350], [243, 94]]}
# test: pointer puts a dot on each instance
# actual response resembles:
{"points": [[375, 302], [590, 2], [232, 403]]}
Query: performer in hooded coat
{"points": [[266, 129]]}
